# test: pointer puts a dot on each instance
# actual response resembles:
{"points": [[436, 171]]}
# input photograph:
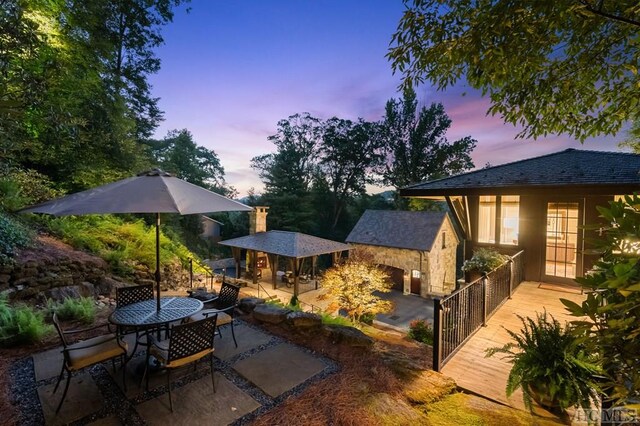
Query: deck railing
{"points": [[458, 316]]}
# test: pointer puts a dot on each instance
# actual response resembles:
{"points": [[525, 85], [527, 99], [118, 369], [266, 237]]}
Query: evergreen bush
{"points": [[421, 331], [13, 235]]}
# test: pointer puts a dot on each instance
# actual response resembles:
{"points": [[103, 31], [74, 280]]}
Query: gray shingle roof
{"points": [[564, 168], [285, 243], [399, 229]]}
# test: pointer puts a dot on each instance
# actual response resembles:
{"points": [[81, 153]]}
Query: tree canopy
{"points": [[75, 101], [415, 143], [551, 67]]}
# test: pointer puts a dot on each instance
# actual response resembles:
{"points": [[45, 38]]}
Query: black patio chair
{"points": [[187, 343], [87, 353], [223, 306], [128, 296]]}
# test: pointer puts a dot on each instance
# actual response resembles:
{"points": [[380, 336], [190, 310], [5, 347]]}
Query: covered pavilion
{"points": [[295, 246]]}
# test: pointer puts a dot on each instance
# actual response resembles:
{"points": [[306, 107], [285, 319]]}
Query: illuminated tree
{"points": [[352, 285]]}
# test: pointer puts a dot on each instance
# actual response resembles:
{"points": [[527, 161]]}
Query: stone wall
{"points": [[52, 269], [442, 261], [404, 259]]}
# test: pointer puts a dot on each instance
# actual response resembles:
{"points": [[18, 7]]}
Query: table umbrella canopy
{"points": [[154, 191], [149, 192]]}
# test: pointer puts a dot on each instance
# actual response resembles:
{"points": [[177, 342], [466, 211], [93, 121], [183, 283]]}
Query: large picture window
{"points": [[503, 228]]}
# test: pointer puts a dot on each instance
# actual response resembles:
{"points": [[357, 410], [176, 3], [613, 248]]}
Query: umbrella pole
{"points": [[158, 260]]}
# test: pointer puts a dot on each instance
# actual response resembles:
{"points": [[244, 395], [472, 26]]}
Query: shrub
{"points": [[20, 324], [13, 235], [421, 331], [82, 309], [484, 260]]}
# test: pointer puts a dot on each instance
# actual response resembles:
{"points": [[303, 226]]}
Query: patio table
{"points": [[145, 315]]}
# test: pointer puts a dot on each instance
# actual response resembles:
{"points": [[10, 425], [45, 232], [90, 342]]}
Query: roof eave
{"points": [[576, 189]]}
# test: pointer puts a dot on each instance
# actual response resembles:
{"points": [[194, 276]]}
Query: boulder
{"points": [[108, 285], [304, 319], [58, 294], [87, 289], [348, 335], [270, 313], [248, 304]]}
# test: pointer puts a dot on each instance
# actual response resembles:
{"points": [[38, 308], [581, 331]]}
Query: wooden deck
{"points": [[488, 376]]}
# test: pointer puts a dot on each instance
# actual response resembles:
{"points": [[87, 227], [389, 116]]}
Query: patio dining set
{"points": [[180, 333]]}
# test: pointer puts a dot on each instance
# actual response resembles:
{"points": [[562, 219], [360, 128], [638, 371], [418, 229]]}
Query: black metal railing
{"points": [[458, 316]]}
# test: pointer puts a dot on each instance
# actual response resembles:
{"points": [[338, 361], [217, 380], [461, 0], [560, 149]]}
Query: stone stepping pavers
{"points": [[279, 368], [250, 380]]}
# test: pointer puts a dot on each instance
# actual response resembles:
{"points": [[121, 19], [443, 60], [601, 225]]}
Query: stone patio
{"points": [[250, 380]]}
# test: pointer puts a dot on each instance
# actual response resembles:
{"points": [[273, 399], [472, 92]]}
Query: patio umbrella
{"points": [[154, 191]]}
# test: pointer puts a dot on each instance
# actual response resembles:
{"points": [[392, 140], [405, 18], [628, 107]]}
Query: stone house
{"points": [[417, 248]]}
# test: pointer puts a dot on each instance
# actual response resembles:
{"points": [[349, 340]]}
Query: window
{"points": [[487, 219], [509, 218], [508, 206], [444, 240]]}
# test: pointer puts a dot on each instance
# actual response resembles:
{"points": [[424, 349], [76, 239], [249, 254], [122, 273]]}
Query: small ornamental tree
{"points": [[352, 284], [610, 315]]}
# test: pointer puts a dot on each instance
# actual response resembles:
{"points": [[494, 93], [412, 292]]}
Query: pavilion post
{"points": [[254, 266], [158, 261]]}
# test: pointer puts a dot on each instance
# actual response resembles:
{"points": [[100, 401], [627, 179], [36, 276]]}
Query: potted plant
{"points": [[483, 261], [551, 365]]}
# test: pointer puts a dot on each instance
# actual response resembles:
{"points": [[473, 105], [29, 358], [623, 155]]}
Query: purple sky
{"points": [[231, 70]]}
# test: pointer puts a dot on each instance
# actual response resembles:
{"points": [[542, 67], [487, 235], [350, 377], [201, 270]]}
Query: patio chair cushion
{"points": [[160, 351], [223, 318], [92, 351]]}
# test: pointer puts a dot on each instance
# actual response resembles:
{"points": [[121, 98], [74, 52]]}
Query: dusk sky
{"points": [[231, 70]]}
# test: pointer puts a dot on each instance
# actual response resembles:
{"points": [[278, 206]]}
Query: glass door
{"points": [[562, 239]]}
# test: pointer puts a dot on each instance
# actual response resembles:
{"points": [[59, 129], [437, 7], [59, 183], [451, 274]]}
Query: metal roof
{"points": [[400, 229], [285, 243], [566, 168]]}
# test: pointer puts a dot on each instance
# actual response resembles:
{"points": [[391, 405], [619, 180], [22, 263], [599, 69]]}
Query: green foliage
{"points": [[74, 77], [484, 260], [177, 153], [20, 187], [13, 235], [610, 315], [82, 309], [351, 285], [329, 319], [20, 324], [551, 364], [421, 331], [416, 145], [122, 243], [534, 59]]}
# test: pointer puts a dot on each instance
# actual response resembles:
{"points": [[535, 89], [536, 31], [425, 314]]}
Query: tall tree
{"points": [[288, 173], [75, 99], [567, 66], [416, 145], [349, 153], [179, 154]]}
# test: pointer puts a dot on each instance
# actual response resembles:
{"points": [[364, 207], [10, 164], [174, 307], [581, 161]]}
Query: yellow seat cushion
{"points": [[160, 351], [223, 318], [92, 351]]}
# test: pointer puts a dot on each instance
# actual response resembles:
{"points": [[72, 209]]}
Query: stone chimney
{"points": [[258, 220]]}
